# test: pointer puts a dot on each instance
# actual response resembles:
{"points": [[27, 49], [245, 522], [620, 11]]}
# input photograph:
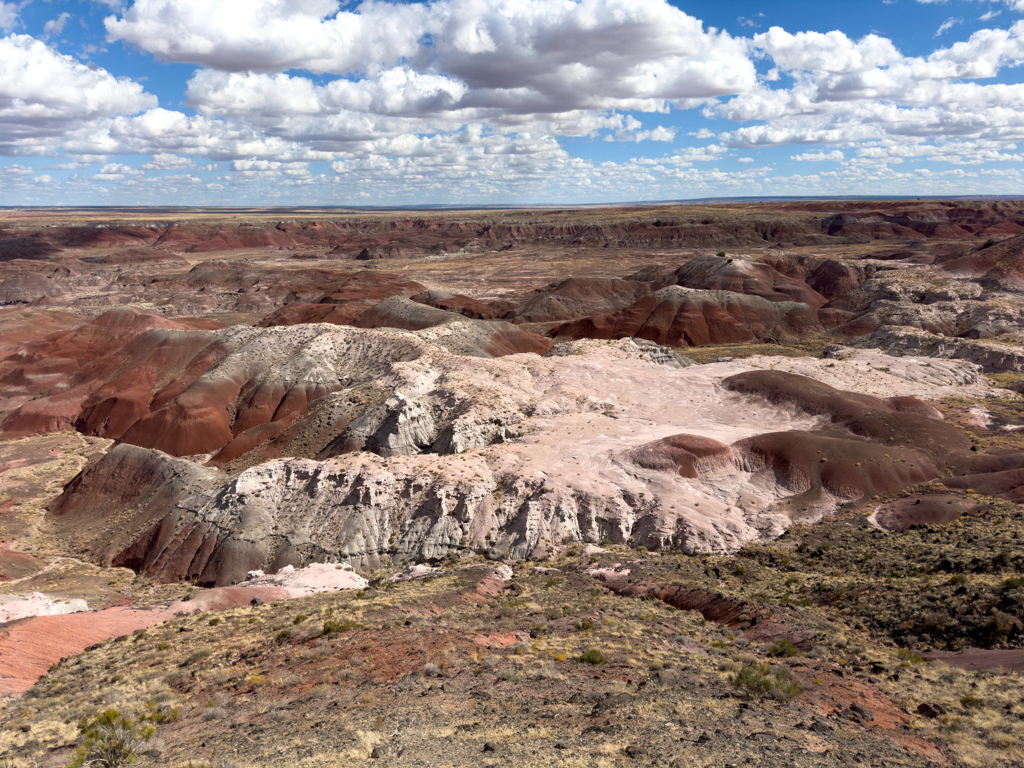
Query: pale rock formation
{"points": [[530, 454], [899, 341], [14, 607]]}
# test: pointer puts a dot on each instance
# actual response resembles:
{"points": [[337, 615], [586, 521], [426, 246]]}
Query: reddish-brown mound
{"points": [[1008, 484], [20, 326], [832, 279], [299, 314], [33, 247], [1002, 263], [811, 462], [345, 300], [680, 317], [493, 338], [151, 536], [73, 366], [897, 442], [580, 297], [464, 305], [894, 422], [751, 278], [689, 455], [31, 646], [938, 509]]}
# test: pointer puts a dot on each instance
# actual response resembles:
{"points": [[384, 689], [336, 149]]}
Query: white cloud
{"points": [[947, 25], [835, 156], [167, 161], [56, 26], [9, 15], [870, 91], [525, 56], [470, 97], [633, 130], [273, 35], [44, 95], [398, 91], [116, 171], [832, 52]]}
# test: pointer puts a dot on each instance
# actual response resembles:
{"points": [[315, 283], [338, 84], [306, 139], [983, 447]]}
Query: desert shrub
{"points": [[988, 244], [1012, 583], [908, 656], [782, 648], [510, 675], [764, 680], [592, 656], [585, 625], [197, 655], [299, 618], [214, 622], [1002, 627], [111, 740], [972, 702], [333, 627]]}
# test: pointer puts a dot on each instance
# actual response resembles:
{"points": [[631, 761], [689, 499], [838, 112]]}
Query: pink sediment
{"points": [[31, 646]]}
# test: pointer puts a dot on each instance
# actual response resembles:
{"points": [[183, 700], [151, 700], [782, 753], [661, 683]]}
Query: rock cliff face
{"points": [[153, 384], [519, 455], [899, 341]]}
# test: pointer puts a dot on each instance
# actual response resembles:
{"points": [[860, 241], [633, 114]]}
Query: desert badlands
{"points": [[695, 485]]}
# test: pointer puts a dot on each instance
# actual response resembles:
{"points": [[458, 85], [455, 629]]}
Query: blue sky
{"points": [[295, 102]]}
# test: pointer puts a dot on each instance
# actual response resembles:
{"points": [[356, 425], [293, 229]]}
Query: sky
{"points": [[514, 102]]}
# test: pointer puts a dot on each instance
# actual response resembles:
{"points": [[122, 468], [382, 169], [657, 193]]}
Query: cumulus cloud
{"points": [[632, 129], [833, 52], [521, 55], [869, 91], [116, 171], [399, 91], [167, 161], [9, 15], [834, 156], [56, 26], [44, 95], [423, 98], [272, 35]]}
